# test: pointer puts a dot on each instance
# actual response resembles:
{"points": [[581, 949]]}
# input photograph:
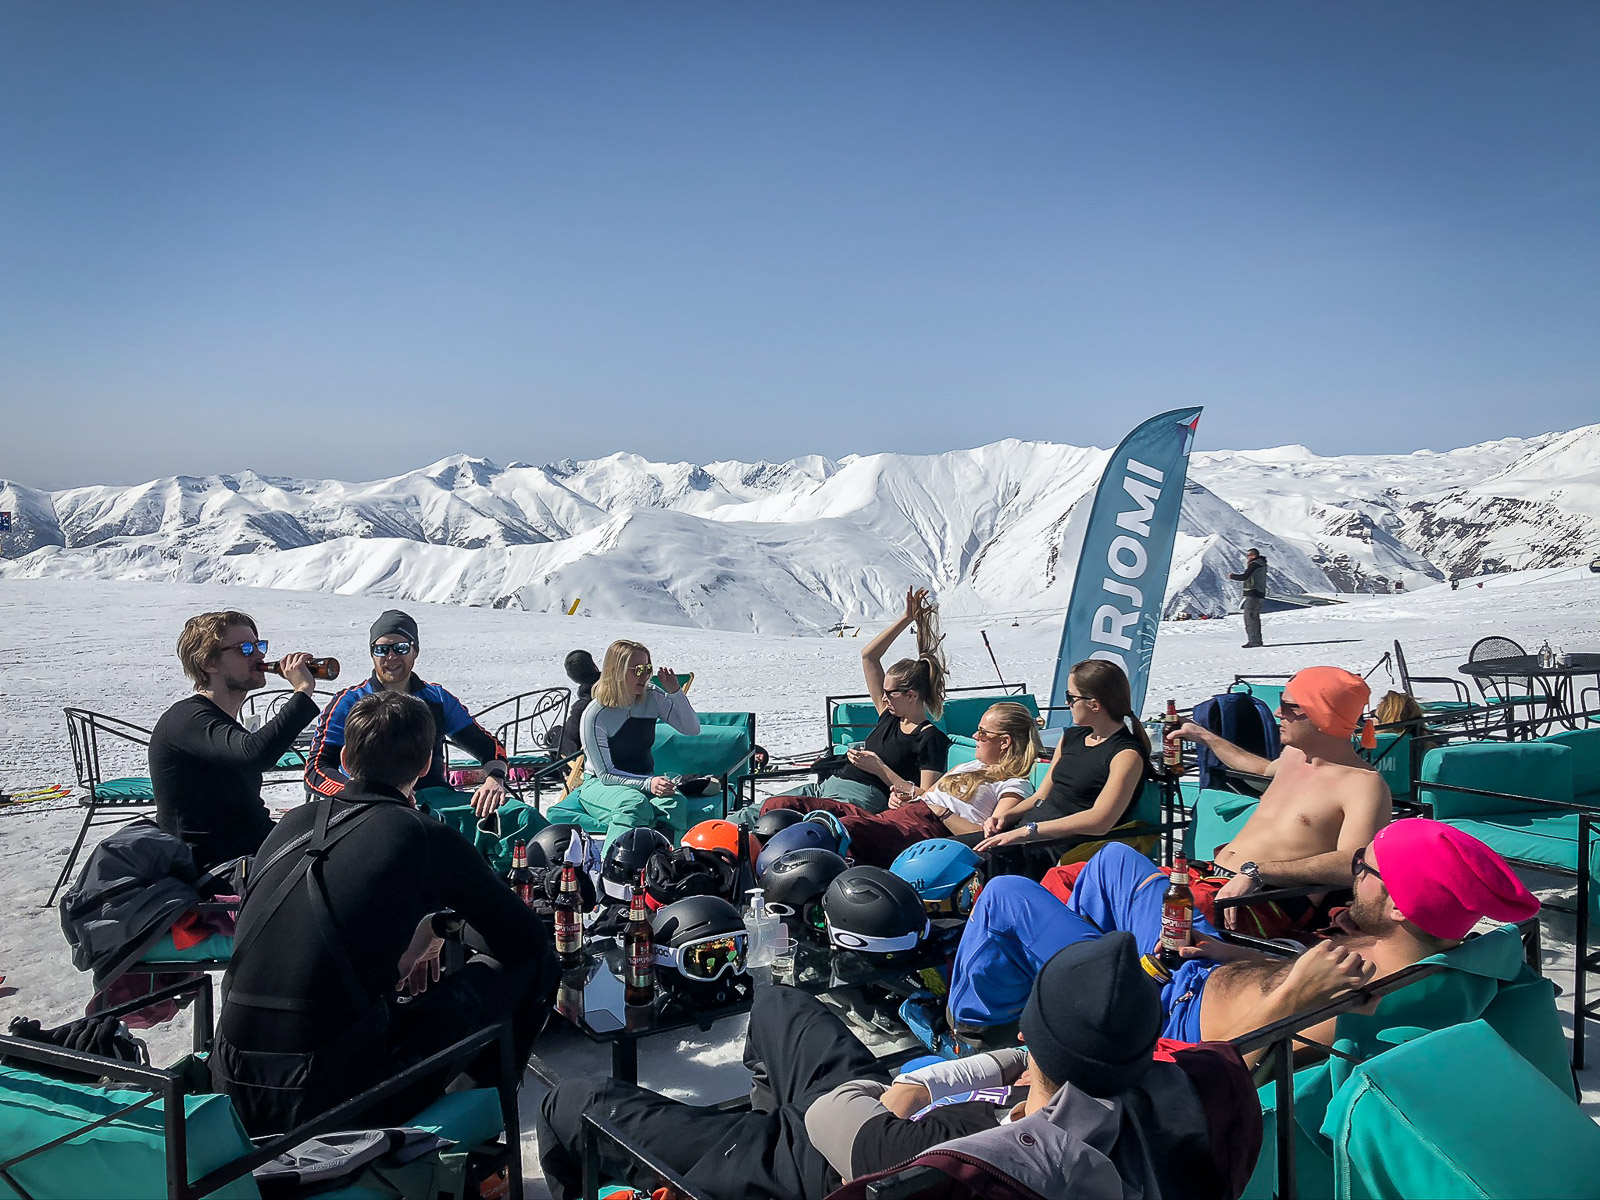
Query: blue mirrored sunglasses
{"points": [[249, 648], [383, 649]]}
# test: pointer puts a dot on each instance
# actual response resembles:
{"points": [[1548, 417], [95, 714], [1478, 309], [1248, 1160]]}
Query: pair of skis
{"points": [[54, 791]]}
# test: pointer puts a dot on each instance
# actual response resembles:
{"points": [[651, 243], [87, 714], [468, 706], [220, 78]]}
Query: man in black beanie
{"points": [[395, 648], [581, 669]]}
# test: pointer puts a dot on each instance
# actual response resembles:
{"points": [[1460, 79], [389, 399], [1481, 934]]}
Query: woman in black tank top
{"points": [[1098, 768]]}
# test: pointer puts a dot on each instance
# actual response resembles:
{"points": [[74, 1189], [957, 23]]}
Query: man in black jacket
{"points": [[205, 766], [581, 669], [1254, 577], [347, 908]]}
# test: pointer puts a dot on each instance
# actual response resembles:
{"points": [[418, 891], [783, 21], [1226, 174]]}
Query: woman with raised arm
{"points": [[1099, 765], [620, 787], [958, 803]]}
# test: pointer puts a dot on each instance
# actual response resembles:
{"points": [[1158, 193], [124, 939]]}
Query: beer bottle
{"points": [[1172, 747], [569, 918], [638, 948], [519, 877], [1177, 915], [320, 668]]}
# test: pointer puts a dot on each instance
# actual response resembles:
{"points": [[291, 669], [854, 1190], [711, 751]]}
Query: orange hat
{"points": [[1333, 698]]}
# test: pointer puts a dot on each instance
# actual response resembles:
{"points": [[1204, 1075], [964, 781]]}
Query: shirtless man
{"points": [[1420, 886], [1323, 803]]}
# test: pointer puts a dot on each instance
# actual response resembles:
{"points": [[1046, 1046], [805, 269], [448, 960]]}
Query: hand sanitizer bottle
{"points": [[762, 928]]}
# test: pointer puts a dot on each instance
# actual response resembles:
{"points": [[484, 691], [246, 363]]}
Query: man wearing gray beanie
{"points": [[396, 646]]}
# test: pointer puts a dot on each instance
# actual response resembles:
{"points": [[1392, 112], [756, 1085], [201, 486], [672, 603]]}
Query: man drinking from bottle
{"points": [[205, 767]]}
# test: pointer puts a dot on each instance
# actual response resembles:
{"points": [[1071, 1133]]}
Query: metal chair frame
{"points": [[84, 730], [170, 1088]]}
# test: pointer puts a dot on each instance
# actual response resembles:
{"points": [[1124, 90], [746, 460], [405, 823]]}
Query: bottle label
{"points": [[569, 934], [1177, 926], [641, 964]]}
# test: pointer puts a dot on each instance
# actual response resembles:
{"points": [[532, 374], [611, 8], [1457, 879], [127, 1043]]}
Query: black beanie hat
{"points": [[396, 622], [580, 667], [1093, 1017]]}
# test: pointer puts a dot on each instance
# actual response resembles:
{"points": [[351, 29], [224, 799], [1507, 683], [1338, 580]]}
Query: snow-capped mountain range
{"points": [[802, 545]]}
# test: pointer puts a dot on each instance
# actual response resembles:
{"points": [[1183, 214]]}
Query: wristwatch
{"points": [[1033, 828], [1251, 870]]}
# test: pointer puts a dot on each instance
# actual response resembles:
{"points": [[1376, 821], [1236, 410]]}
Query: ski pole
{"points": [[984, 633]]}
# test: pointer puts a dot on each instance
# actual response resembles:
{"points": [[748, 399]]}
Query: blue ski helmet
{"points": [[835, 824], [803, 835], [944, 873]]}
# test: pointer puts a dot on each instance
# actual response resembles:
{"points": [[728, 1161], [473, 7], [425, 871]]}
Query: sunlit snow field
{"points": [[109, 647]]}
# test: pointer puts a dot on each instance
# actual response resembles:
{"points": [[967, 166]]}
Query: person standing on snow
{"points": [[1254, 577]]}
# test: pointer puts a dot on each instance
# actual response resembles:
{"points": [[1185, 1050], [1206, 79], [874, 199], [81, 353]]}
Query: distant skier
{"points": [[1254, 577]]}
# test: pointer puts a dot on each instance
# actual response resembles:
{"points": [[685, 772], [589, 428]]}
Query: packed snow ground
{"points": [[109, 647]]}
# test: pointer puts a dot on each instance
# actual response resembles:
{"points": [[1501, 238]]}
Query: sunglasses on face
{"points": [[249, 648], [1071, 699], [981, 734], [384, 649], [1359, 866], [643, 669], [890, 693], [1290, 712]]}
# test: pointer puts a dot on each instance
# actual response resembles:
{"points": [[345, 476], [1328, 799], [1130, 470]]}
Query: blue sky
{"points": [[350, 239]]}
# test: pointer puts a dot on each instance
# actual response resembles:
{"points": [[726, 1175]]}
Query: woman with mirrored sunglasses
{"points": [[620, 787]]}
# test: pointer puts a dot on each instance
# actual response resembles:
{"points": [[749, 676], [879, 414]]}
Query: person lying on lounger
{"points": [[1420, 886]]}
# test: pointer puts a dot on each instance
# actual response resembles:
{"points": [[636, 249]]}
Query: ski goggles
{"points": [[958, 903], [384, 649], [707, 959]]}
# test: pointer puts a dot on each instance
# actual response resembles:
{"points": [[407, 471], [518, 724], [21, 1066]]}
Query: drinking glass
{"points": [[783, 948]]}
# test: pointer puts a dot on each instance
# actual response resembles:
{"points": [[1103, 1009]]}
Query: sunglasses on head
{"points": [[384, 649], [1359, 865], [643, 669], [249, 648]]}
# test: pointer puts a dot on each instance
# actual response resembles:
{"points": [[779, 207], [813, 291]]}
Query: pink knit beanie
{"points": [[1443, 880]]}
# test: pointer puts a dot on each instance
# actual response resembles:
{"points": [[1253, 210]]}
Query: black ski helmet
{"points": [[554, 840], [701, 938], [549, 881], [795, 884], [873, 910], [626, 857], [802, 835], [768, 823]]}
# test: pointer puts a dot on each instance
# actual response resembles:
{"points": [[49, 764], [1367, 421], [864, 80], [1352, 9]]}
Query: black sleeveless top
{"points": [[1080, 774]]}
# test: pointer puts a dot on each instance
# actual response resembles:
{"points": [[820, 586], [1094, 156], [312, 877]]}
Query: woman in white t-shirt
{"points": [[957, 803]]}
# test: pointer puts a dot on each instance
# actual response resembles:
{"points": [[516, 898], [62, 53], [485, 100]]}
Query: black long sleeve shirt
{"points": [[206, 770]]}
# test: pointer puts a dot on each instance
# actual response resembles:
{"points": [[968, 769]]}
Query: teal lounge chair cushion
{"points": [[1539, 769], [962, 713], [125, 1158], [1585, 758], [852, 721], [291, 760], [1218, 816], [1268, 693], [125, 791], [1392, 757], [1458, 1113], [1548, 839]]}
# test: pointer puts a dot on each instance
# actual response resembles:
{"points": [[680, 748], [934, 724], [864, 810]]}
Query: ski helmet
{"points": [[554, 839], [626, 857], [875, 911], [702, 938], [795, 884], [768, 823], [801, 835], [944, 873], [549, 883], [716, 835], [839, 831]]}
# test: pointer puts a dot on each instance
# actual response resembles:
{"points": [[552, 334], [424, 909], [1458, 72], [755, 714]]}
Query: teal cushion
{"points": [[216, 948], [1392, 757], [1268, 693], [291, 760], [851, 722], [1218, 816], [1538, 769], [1585, 757], [962, 713], [125, 791], [717, 749], [1458, 1113], [470, 1117], [126, 1157], [1549, 839]]}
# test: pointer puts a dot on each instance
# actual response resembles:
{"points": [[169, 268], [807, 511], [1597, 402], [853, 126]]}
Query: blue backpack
{"points": [[1241, 719]]}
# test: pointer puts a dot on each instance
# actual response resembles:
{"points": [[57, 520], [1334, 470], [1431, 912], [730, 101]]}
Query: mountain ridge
{"points": [[801, 545]]}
